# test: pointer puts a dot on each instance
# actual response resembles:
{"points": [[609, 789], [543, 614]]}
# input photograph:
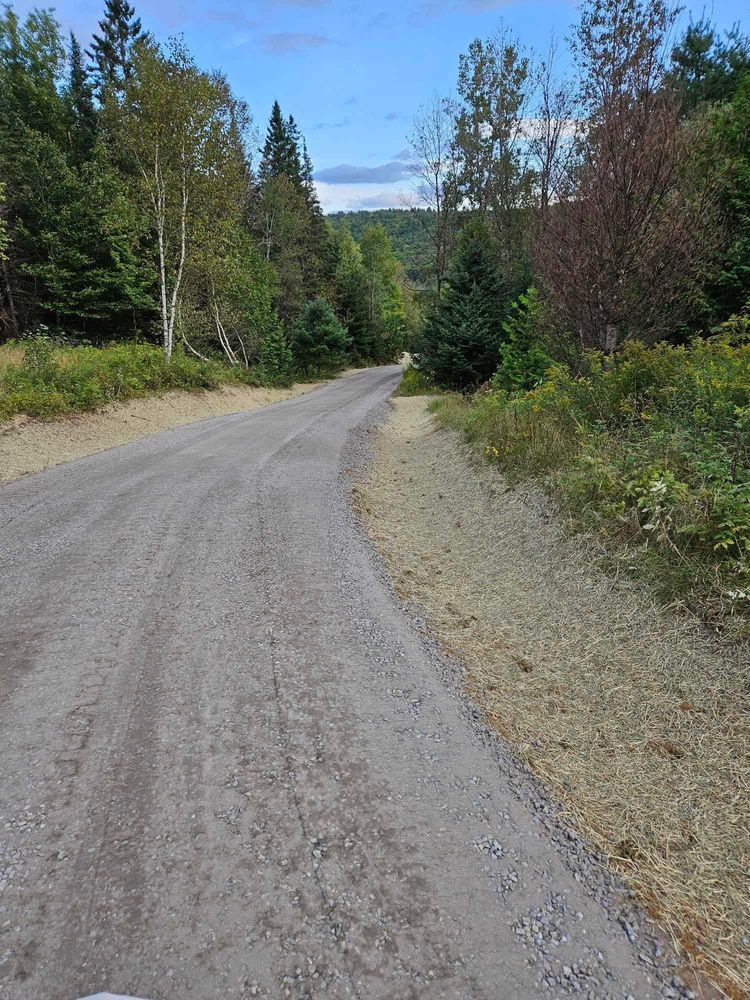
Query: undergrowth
{"points": [[651, 451], [41, 379], [414, 383]]}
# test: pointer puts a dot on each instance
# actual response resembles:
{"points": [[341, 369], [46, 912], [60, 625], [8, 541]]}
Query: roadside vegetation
{"points": [[586, 327], [591, 312], [650, 452], [135, 217], [43, 380]]}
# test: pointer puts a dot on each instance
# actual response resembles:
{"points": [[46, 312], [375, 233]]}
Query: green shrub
{"points": [[415, 383], [652, 449]]}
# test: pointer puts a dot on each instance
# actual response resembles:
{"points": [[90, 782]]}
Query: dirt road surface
{"points": [[232, 767]]}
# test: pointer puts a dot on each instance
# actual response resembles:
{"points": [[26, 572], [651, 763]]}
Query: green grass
{"points": [[414, 383], [42, 380], [649, 451]]}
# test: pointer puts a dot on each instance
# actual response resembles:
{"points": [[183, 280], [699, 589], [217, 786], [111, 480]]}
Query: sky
{"points": [[352, 73]]}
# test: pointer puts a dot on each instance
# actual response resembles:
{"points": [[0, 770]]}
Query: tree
{"points": [[80, 99], [435, 169], [522, 352], [622, 253], [112, 50], [385, 302], [459, 345], [181, 129], [280, 152], [275, 356], [73, 256], [728, 288], [351, 290], [497, 175], [287, 218], [707, 68], [319, 340]]}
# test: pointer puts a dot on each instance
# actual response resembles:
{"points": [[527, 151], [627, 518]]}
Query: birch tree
{"points": [[182, 132], [435, 170], [496, 90]]}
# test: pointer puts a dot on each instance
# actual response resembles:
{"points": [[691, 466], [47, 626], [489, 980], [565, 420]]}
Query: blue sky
{"points": [[352, 73]]}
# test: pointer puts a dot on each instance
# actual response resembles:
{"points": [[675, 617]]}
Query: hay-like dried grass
{"points": [[634, 718], [10, 355]]}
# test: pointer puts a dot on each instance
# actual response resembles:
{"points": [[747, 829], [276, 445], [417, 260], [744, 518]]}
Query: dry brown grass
{"points": [[10, 355], [633, 717]]}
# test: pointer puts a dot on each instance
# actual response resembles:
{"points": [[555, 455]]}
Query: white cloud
{"points": [[352, 197]]}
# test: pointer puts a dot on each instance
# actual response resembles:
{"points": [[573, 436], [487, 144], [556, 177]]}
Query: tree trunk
{"points": [[9, 296]]}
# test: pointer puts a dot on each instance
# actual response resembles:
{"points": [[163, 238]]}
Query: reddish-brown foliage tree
{"points": [[620, 256]]}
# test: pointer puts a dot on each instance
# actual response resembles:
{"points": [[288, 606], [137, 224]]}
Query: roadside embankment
{"points": [[630, 713], [29, 445]]}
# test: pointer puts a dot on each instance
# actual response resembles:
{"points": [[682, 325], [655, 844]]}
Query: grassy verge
{"points": [[42, 380], [631, 714], [650, 453]]}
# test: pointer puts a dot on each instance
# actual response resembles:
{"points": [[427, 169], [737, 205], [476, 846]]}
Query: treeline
{"points": [[131, 208], [591, 277]]}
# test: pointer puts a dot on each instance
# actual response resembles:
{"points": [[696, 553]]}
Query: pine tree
{"points": [[80, 98], [350, 282], [459, 347], [707, 68], [111, 50]]}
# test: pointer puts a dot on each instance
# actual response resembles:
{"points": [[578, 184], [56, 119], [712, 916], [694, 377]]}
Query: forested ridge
{"points": [[138, 202], [408, 230]]}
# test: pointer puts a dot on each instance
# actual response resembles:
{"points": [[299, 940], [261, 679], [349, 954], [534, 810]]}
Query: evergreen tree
{"points": [[80, 98], [350, 282], [280, 153], [320, 341], [706, 67], [111, 50], [459, 347], [275, 357]]}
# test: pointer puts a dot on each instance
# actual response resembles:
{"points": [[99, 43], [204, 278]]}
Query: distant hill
{"points": [[407, 230]]}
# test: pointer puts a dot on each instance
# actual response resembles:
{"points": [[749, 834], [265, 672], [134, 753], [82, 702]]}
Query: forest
{"points": [[134, 219], [588, 306], [408, 230]]}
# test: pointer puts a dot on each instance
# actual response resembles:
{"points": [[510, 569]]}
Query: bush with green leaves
{"points": [[523, 355], [414, 383], [319, 341], [651, 448]]}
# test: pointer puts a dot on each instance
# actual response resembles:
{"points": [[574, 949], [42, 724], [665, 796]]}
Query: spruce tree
{"points": [[459, 347], [80, 98], [111, 49], [320, 341], [280, 152]]}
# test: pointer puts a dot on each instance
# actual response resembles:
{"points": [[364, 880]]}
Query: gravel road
{"points": [[232, 767]]}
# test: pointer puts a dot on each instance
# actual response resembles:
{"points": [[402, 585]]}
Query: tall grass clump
{"points": [[43, 380], [650, 448]]}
